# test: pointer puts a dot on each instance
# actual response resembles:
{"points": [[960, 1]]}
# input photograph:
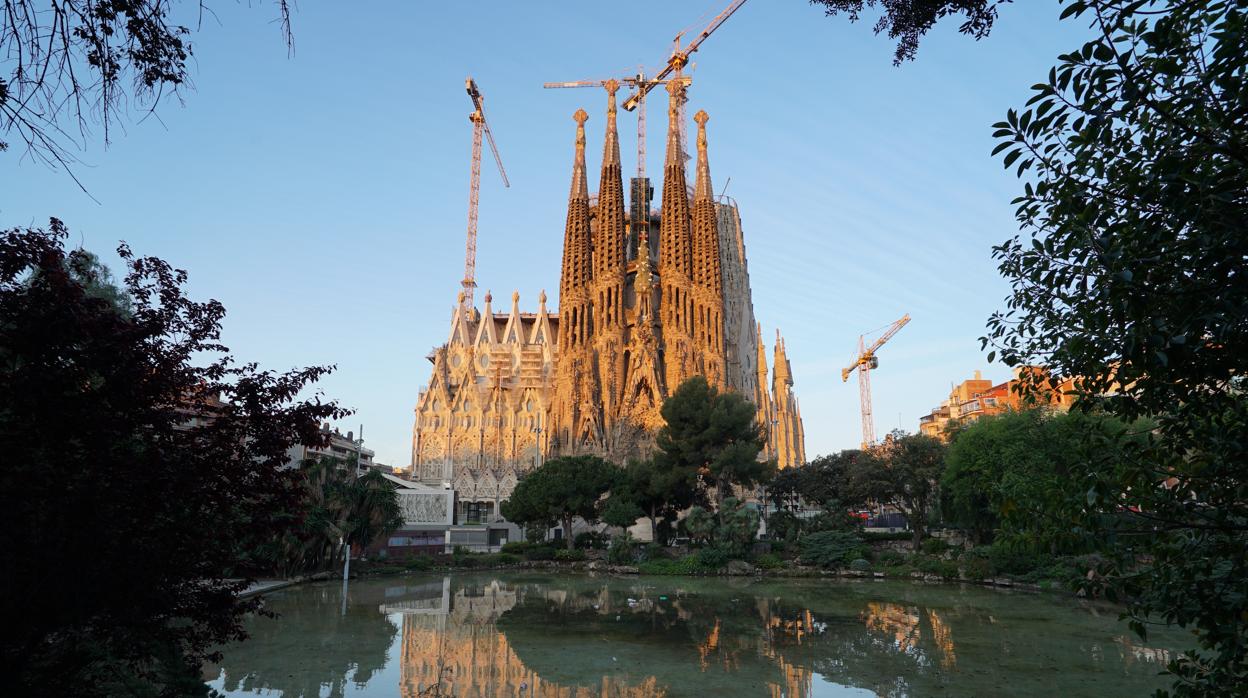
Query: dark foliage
{"points": [[713, 434], [560, 490], [1131, 276], [906, 21], [128, 491], [73, 63]]}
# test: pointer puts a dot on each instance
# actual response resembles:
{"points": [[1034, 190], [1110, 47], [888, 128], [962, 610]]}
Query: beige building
{"points": [[638, 315]]}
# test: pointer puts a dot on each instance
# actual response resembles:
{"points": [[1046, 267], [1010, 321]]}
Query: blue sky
{"points": [[322, 197]]}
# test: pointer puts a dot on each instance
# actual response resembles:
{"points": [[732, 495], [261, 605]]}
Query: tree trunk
{"points": [[567, 531], [918, 520], [654, 526]]}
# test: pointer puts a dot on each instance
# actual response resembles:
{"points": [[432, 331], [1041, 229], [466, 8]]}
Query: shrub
{"points": [[565, 555], [860, 565], [976, 564], [591, 540], [622, 551], [687, 565], [832, 549], [1016, 561], [934, 546], [714, 556], [517, 547], [938, 566], [540, 552], [891, 558], [769, 561], [507, 558], [653, 551], [881, 536], [418, 563]]}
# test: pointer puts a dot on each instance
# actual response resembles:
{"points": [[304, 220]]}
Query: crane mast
{"points": [[865, 362], [480, 131]]}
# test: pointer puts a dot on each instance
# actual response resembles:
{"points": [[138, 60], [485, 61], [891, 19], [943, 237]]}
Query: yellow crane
{"points": [[479, 127], [865, 362]]}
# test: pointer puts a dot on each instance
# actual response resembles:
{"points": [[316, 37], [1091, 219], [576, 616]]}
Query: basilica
{"points": [[647, 299]]}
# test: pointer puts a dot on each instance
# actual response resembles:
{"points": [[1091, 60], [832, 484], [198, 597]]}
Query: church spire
{"points": [[674, 249], [609, 235], [574, 282]]}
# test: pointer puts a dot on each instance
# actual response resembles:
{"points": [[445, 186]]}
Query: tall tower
{"points": [[789, 436], [708, 283], [609, 271], [575, 417], [675, 254]]}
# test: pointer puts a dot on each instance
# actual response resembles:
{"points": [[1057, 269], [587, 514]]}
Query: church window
{"points": [[485, 361]]}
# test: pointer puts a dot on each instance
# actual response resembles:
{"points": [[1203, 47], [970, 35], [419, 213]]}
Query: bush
{"points": [[622, 551], [517, 547], [540, 552], [591, 540], [769, 561], [890, 558], [833, 549], [687, 565], [653, 551], [881, 536], [507, 558], [714, 556], [1016, 562], [934, 546], [860, 565], [938, 566], [565, 555], [418, 563], [976, 564]]}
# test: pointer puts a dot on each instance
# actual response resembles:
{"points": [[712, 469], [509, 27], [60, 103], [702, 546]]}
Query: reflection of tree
{"points": [[311, 645], [582, 637]]}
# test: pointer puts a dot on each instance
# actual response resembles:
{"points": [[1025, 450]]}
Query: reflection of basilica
{"points": [[459, 643]]}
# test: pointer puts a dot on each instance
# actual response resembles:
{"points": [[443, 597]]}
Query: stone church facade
{"points": [[645, 302]]}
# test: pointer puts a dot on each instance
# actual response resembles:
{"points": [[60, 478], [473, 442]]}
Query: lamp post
{"points": [[538, 430]]}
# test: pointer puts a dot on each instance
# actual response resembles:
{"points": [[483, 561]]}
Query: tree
{"points": [[713, 434], [1130, 276], [139, 457], [907, 21], [1013, 473], [906, 476], [75, 62], [341, 506], [560, 490], [652, 488]]}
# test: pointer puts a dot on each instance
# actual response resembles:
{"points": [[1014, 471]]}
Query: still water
{"points": [[526, 634]]}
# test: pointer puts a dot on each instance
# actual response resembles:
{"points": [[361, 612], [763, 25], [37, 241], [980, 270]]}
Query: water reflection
{"points": [[576, 637]]}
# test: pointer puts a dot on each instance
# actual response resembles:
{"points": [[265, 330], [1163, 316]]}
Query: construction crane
{"points": [[865, 362], [479, 127], [677, 62], [634, 81]]}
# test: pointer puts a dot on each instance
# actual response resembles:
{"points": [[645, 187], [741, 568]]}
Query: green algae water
{"points": [[546, 635]]}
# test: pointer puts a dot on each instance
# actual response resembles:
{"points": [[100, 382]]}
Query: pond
{"points": [[548, 635]]}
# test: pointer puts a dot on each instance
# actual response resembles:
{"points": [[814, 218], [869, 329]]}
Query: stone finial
{"points": [[612, 86], [580, 188], [515, 297], [489, 297], [702, 180], [541, 297], [460, 297]]}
